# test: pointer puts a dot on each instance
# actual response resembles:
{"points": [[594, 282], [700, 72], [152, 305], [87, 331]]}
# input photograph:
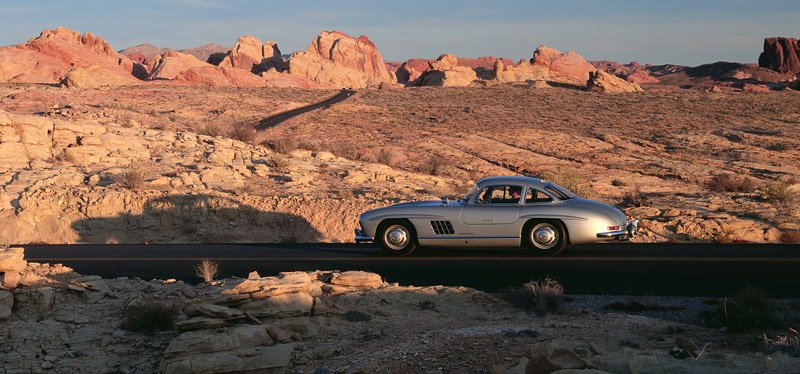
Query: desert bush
{"points": [[391, 158], [729, 182], [285, 144], [150, 316], [207, 270], [543, 296], [779, 193], [133, 178], [791, 237], [279, 162], [212, 130], [242, 133], [748, 309], [633, 199]]}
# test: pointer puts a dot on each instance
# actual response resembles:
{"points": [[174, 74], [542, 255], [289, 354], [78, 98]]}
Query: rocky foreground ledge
{"points": [[53, 319]]}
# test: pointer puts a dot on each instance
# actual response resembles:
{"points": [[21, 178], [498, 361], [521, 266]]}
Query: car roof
{"points": [[515, 180]]}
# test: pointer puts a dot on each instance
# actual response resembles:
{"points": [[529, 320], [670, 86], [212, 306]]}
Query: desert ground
{"points": [[692, 165]]}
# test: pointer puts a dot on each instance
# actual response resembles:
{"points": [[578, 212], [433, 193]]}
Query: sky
{"points": [[657, 32]]}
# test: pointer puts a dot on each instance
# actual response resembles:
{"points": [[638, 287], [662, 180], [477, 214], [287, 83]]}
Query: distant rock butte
{"points": [[143, 52], [781, 54], [250, 54], [600, 81], [446, 72], [203, 52], [411, 69], [568, 64], [172, 63], [48, 57], [335, 59]]}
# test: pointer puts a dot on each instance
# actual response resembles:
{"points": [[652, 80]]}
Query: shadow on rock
{"points": [[197, 219]]}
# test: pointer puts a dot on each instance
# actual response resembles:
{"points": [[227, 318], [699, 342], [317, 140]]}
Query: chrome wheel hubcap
{"points": [[396, 237], [544, 236]]}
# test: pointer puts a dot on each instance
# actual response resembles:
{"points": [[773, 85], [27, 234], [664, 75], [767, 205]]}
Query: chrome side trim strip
{"points": [[469, 237]]}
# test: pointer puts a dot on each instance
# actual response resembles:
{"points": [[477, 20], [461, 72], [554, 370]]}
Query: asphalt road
{"points": [[280, 117], [625, 268]]}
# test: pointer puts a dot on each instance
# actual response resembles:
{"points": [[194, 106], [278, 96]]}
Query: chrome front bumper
{"points": [[630, 231], [362, 238]]}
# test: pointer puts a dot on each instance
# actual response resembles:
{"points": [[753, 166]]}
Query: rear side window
{"points": [[560, 192], [535, 196]]}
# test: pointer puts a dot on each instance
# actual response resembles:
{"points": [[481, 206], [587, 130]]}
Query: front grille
{"points": [[442, 228]]}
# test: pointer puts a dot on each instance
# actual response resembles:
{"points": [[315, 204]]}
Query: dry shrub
{"points": [[437, 165], [748, 309], [133, 178], [729, 182], [150, 316], [779, 193], [791, 237], [242, 133], [391, 158], [634, 199], [543, 296], [279, 162], [212, 130], [207, 270], [283, 144]]}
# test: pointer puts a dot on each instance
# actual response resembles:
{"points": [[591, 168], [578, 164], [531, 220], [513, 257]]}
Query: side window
{"points": [[535, 196], [499, 195]]}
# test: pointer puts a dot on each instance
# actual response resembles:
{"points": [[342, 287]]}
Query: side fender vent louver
{"points": [[442, 228]]}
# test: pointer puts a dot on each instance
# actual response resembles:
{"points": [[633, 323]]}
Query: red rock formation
{"points": [[48, 57], [335, 59], [484, 67], [143, 52], [568, 64], [781, 55], [250, 54], [171, 64], [446, 72]]}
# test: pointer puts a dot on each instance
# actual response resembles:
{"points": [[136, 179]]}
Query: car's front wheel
{"points": [[397, 238], [545, 238]]}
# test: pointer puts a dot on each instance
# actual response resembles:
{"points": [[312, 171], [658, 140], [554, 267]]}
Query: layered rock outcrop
{"points": [[568, 64], [95, 76], [171, 64], [781, 54], [446, 72], [250, 54], [335, 59], [483, 66], [50, 56], [600, 81]]}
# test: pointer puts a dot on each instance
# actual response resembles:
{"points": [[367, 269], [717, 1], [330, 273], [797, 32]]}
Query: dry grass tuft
{"points": [[788, 344], [283, 144], [279, 163], [748, 309], [729, 182], [150, 316], [779, 193], [634, 199], [543, 296], [207, 270], [133, 178]]}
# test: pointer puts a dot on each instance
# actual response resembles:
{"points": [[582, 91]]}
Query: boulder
{"points": [[524, 71], [169, 65], [781, 54], [568, 64], [600, 81], [749, 87], [95, 76], [12, 260], [195, 342], [250, 54], [446, 72], [335, 59], [357, 279], [279, 306]]}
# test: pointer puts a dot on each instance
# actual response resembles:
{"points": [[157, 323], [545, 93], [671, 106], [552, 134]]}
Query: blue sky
{"points": [[666, 31]]}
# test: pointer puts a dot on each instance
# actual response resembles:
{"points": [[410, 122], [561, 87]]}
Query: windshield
{"points": [[560, 192], [472, 191]]}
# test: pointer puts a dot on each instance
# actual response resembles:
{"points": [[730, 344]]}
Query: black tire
{"points": [[403, 233], [551, 240]]}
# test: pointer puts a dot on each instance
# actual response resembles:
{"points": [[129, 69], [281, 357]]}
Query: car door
{"points": [[493, 205]]}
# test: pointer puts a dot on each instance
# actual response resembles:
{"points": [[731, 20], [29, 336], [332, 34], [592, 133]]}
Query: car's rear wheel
{"points": [[397, 238], [545, 238]]}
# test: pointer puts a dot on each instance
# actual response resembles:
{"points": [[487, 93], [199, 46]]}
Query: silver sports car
{"points": [[497, 212]]}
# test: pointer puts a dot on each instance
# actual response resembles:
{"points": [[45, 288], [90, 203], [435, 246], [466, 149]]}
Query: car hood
{"points": [[598, 207]]}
